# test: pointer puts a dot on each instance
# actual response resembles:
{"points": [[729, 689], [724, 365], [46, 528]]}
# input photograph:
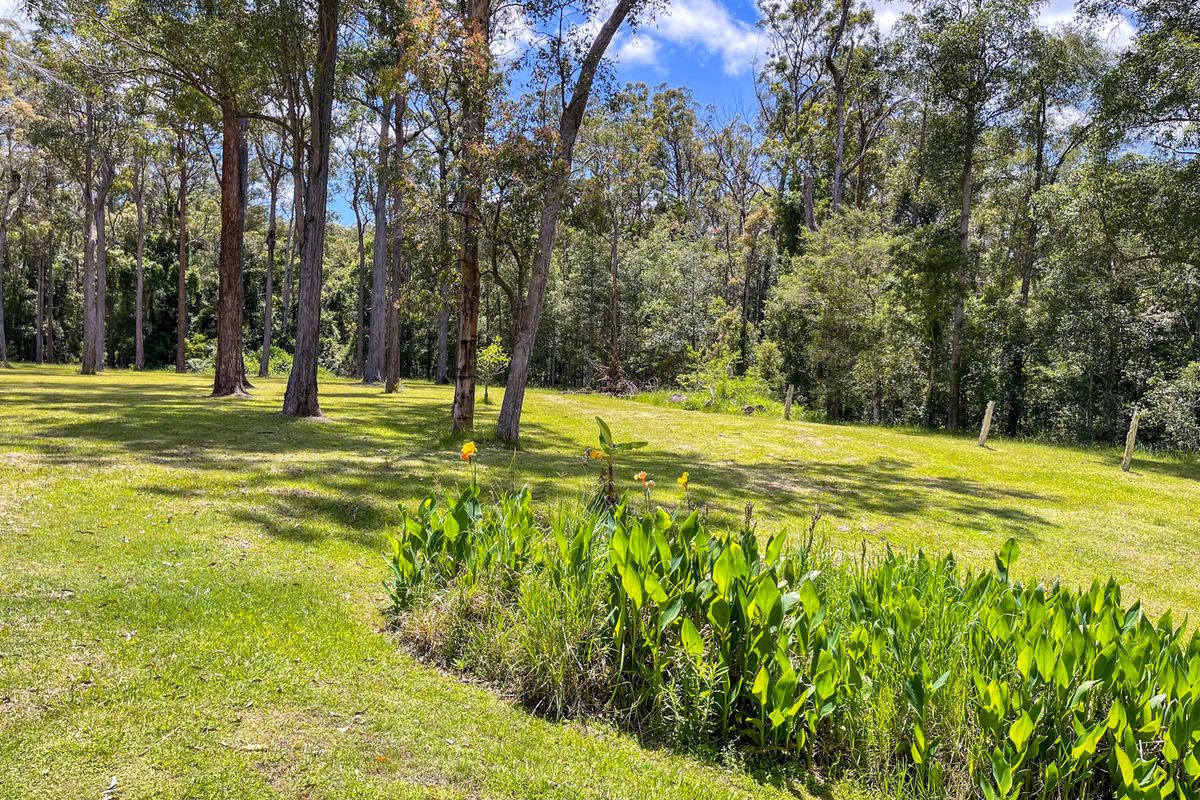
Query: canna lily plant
{"points": [[606, 453]]}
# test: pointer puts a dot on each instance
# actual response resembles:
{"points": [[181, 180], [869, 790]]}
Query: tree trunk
{"points": [[443, 331], [230, 365], [297, 222], [810, 215], [373, 369], [839, 86], [958, 322], [264, 364], [474, 91], [398, 277], [3, 255], [88, 362], [104, 183], [14, 185], [614, 288], [509, 423], [443, 335], [39, 353], [360, 335], [181, 327], [139, 357], [1016, 398], [301, 397]]}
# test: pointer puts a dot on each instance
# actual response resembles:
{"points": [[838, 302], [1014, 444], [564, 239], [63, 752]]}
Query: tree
{"points": [[301, 400], [570, 119], [976, 52], [269, 151], [491, 365]]}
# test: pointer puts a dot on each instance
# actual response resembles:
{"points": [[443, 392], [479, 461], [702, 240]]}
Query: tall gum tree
{"points": [[225, 50], [570, 119], [301, 398]]}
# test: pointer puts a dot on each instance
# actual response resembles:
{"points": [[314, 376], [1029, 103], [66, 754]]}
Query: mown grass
{"points": [[191, 598]]}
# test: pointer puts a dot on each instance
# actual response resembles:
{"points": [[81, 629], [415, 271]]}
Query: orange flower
{"points": [[641, 477], [467, 452]]}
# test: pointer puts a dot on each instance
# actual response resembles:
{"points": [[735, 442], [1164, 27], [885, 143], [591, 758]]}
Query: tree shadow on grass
{"points": [[306, 480]]}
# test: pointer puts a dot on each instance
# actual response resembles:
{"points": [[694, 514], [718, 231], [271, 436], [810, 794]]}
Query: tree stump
{"points": [[1130, 441], [987, 423]]}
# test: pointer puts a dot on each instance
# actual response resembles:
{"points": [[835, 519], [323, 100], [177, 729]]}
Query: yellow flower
{"points": [[594, 454], [682, 480], [641, 477], [468, 451]]}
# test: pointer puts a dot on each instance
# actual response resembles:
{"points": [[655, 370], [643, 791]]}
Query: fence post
{"points": [[787, 404], [987, 423], [1130, 441]]}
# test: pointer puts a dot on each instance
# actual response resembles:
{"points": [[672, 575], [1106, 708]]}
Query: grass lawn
{"points": [[191, 599]]}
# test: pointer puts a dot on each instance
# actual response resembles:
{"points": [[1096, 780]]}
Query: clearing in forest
{"points": [[190, 589]]}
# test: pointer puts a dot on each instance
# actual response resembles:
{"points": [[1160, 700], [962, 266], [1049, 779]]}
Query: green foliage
{"points": [[1172, 407], [904, 666], [491, 363]]}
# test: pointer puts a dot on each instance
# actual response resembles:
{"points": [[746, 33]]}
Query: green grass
{"points": [[191, 598]]}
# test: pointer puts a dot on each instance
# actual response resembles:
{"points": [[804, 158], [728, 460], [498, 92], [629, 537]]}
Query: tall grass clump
{"points": [[902, 670]]}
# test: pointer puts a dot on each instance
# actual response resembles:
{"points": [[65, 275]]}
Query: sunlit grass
{"points": [[190, 589]]}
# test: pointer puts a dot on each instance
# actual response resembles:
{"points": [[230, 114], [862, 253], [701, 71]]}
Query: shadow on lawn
{"points": [[304, 480]]}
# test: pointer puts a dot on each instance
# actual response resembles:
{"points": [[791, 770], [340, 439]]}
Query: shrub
{"points": [[1173, 410], [491, 364], [903, 670]]}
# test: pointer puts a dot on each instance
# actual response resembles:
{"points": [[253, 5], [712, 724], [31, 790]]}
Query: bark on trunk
{"points": [[509, 423], [1020, 339], [139, 357], [301, 397], [810, 214], [88, 362], [958, 323], [360, 336], [6, 214], [839, 86], [104, 181], [181, 310], [474, 93], [398, 277], [614, 287], [230, 366], [373, 369], [264, 364]]}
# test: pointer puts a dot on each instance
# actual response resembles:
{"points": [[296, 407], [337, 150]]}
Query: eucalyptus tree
{"points": [[300, 399], [268, 150], [1055, 125], [223, 51], [83, 128], [791, 86], [15, 116], [575, 79], [977, 56], [619, 149]]}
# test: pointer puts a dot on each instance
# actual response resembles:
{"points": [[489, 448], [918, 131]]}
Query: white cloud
{"points": [[706, 24], [638, 50], [1115, 31]]}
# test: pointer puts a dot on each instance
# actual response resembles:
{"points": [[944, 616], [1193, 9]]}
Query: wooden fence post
{"points": [[987, 423], [1130, 441], [787, 404]]}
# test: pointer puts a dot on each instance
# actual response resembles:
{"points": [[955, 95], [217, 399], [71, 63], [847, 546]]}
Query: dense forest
{"points": [[906, 224]]}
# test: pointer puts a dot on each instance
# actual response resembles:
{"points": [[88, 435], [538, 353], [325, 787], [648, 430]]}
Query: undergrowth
{"points": [[904, 671]]}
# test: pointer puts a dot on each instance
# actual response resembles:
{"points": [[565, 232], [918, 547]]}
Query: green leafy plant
{"points": [[903, 669]]}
